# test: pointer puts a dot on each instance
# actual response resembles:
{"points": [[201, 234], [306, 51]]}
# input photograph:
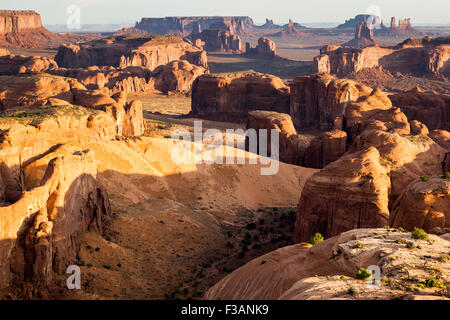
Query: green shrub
{"points": [[363, 274], [447, 175], [315, 239], [419, 234], [433, 283], [359, 245], [424, 178]]}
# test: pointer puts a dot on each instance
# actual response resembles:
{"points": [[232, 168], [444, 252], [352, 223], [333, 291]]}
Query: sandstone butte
{"points": [[230, 96], [419, 57], [328, 269], [363, 37], [23, 28], [220, 36]]}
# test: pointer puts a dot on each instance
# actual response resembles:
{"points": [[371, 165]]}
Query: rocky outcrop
{"points": [[350, 193], [229, 97], [433, 110], [426, 57], [353, 23], [318, 100], [174, 76], [44, 89], [38, 234], [363, 37], [328, 270], [325, 148], [423, 204], [146, 51], [12, 64], [291, 145], [402, 29], [24, 29], [219, 38], [184, 26], [266, 49], [441, 137], [290, 31]]}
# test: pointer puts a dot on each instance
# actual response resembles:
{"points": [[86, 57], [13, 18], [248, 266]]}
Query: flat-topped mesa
{"points": [[149, 51], [353, 23], [24, 29], [219, 37], [363, 37], [229, 97], [418, 57], [17, 21], [184, 26]]}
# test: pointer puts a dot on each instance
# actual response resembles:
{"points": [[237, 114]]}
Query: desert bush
{"points": [[315, 239]]}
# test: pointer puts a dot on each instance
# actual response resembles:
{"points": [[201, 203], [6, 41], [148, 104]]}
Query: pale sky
{"points": [[118, 11]]}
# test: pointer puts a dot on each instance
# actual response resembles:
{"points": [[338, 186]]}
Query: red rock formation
{"points": [[229, 97], [318, 100], [130, 51], [291, 146], [174, 76], [11, 64], [289, 31], [184, 26], [352, 192], [266, 49], [431, 109], [219, 37], [403, 29], [423, 204], [442, 137], [38, 234], [24, 29], [324, 149], [363, 37], [44, 89], [417, 57]]}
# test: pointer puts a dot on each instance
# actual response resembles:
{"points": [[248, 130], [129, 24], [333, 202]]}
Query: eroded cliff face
{"points": [[147, 51], [229, 97], [433, 110], [419, 58], [24, 29], [184, 26], [38, 234], [18, 21], [318, 100]]}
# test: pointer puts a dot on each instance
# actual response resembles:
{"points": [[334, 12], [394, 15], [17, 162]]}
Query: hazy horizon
{"points": [[115, 12]]}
